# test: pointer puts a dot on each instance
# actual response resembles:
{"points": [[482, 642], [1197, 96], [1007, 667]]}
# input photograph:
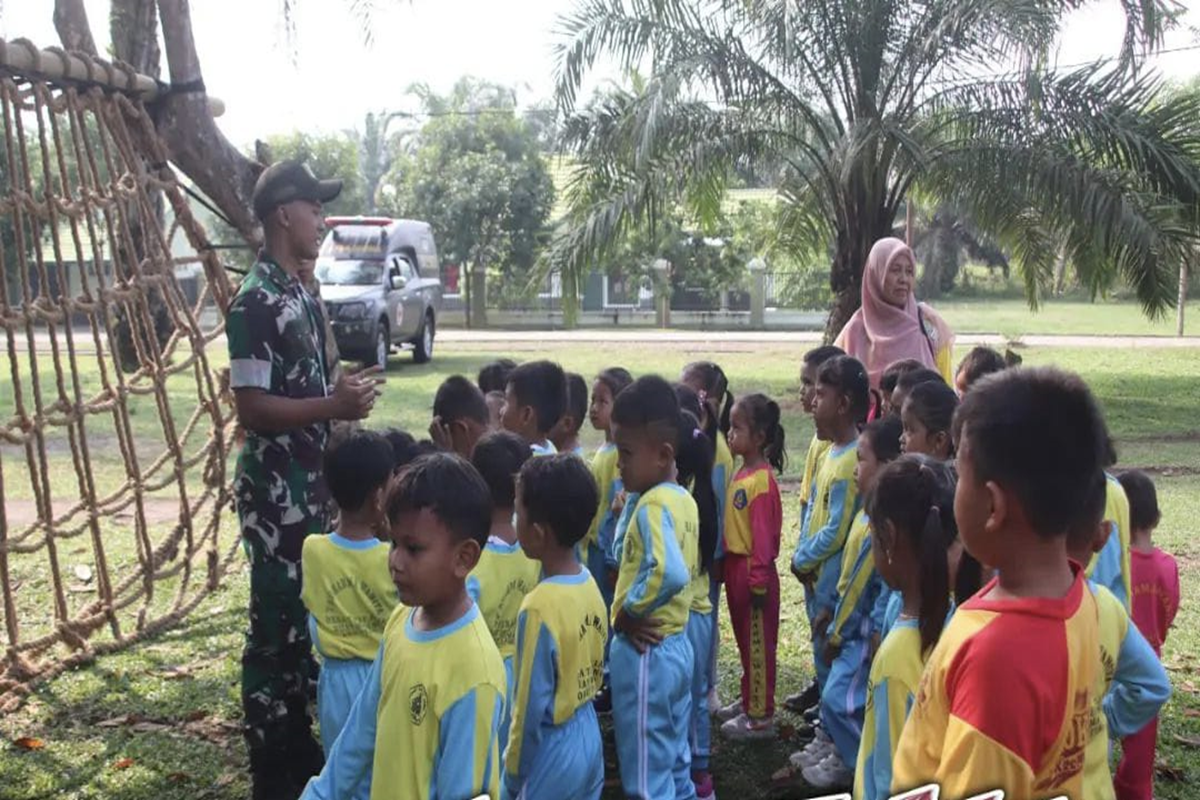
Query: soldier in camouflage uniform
{"points": [[281, 378]]}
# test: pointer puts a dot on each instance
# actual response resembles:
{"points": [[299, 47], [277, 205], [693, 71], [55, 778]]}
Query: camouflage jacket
{"points": [[276, 337]]}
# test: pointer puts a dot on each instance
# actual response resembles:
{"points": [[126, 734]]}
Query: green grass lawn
{"points": [[160, 720], [1013, 318]]}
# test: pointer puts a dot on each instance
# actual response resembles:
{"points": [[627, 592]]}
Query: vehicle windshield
{"points": [[350, 273]]}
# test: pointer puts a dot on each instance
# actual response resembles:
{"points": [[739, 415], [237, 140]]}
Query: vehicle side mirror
{"points": [[395, 281]]}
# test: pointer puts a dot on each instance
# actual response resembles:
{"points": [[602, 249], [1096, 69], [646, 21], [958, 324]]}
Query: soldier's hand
{"points": [[354, 394]]}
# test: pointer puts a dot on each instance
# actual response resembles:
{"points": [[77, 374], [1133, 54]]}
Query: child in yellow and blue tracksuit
{"points": [[554, 747], [651, 659], [346, 586], [844, 695], [504, 575], [840, 406], [426, 724]]}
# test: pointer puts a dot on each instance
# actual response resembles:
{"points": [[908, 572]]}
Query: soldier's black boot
{"points": [[269, 775], [305, 758]]}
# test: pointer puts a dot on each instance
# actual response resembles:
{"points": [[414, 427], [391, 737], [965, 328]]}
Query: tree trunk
{"points": [[849, 260], [133, 26], [191, 135], [71, 22], [1182, 299]]}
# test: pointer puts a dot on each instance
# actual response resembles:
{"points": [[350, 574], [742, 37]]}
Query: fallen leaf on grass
{"points": [[28, 743], [124, 763], [1187, 741], [178, 777], [225, 779], [1192, 712], [1167, 772], [1188, 687], [196, 715], [116, 722], [787, 732], [149, 727]]}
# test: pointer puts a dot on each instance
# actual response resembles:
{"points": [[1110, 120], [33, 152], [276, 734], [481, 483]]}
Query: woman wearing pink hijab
{"points": [[891, 325]]}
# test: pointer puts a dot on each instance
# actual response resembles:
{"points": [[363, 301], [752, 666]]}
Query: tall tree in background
{"points": [[332, 155], [861, 101], [476, 174]]}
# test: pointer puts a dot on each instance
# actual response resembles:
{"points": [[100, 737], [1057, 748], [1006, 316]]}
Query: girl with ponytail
{"points": [[710, 388], [693, 465], [911, 508], [848, 649], [753, 526]]}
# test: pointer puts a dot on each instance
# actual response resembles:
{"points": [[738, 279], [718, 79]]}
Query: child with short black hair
{"points": [[908, 381], [1155, 601], [927, 415], [817, 448], [659, 559], [839, 409], [911, 511], [1031, 447], [1134, 683], [565, 435], [754, 526], [405, 449], [460, 416], [979, 362], [890, 377], [426, 722], [534, 401], [346, 585], [504, 574], [555, 748], [493, 376]]}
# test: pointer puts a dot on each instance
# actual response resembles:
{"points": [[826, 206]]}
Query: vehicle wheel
{"points": [[383, 345], [423, 346]]}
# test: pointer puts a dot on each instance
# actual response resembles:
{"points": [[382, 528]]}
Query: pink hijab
{"points": [[879, 333]]}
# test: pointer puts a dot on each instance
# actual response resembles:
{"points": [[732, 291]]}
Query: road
{"points": [[460, 339]]}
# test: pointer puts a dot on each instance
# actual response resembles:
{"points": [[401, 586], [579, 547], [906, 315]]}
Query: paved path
{"points": [[647, 336], [460, 339]]}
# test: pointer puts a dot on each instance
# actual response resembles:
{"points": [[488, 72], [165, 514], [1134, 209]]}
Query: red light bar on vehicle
{"points": [[331, 222]]}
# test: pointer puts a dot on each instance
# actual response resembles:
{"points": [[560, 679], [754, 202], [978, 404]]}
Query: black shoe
{"points": [[305, 758], [813, 714], [799, 703], [269, 775], [603, 701]]}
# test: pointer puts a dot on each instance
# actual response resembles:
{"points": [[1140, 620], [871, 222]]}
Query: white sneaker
{"points": [[743, 727], [813, 754], [830, 773], [730, 711]]}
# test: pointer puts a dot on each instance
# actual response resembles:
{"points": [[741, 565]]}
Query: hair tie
{"points": [[697, 433]]}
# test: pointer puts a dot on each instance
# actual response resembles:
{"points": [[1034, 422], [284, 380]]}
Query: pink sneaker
{"points": [[704, 786]]}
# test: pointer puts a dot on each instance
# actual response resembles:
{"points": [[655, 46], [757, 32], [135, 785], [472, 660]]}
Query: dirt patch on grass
{"points": [[24, 512]]}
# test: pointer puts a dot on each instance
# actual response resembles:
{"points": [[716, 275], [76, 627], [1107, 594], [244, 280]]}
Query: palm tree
{"points": [[863, 101]]}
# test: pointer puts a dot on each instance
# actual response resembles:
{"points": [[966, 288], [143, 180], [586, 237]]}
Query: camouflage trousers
{"points": [[277, 662]]}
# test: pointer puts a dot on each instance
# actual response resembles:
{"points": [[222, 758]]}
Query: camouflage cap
{"points": [[285, 181]]}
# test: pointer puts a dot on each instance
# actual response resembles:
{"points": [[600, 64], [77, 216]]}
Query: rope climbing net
{"points": [[113, 478]]}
